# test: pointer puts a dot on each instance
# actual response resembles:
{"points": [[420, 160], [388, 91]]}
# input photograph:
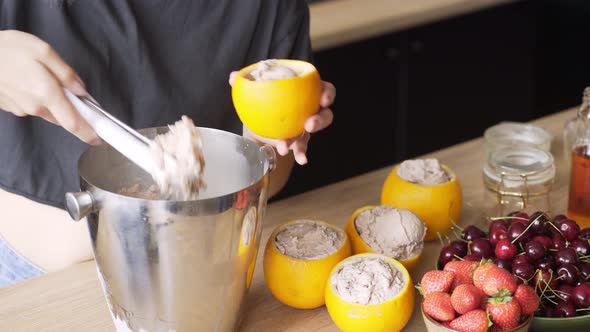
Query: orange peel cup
{"points": [[438, 206], [359, 246], [279, 108]]}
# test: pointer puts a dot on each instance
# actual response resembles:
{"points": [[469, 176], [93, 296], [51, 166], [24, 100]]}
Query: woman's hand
{"points": [[32, 78], [314, 123]]}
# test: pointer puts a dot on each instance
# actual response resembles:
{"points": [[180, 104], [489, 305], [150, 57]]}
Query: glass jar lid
{"points": [[507, 134], [518, 165]]}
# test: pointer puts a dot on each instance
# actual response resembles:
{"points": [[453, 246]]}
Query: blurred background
{"points": [[414, 76]]}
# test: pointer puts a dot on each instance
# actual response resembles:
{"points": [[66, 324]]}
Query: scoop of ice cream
{"points": [[366, 281], [183, 179], [269, 70], [396, 233], [308, 240], [425, 172]]}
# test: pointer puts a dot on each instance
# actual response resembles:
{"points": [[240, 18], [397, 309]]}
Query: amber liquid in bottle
{"points": [[579, 193]]}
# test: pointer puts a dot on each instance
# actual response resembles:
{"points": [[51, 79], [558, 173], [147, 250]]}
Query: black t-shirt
{"points": [[147, 62]]}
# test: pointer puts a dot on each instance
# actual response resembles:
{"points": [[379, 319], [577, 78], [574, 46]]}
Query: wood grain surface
{"points": [[71, 300]]}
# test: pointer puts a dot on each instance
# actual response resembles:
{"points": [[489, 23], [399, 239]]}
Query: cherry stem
{"points": [[526, 229], [507, 217], [459, 258], [440, 238], [455, 224], [583, 309], [557, 229]]}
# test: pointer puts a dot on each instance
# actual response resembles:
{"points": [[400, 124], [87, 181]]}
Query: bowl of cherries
{"points": [[549, 253]]}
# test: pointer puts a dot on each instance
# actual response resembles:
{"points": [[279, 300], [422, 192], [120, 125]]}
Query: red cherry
{"points": [[505, 249], [543, 239], [581, 295], [498, 234], [520, 259], [569, 229], [517, 230]]}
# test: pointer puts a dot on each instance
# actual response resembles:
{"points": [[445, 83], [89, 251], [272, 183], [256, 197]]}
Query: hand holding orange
{"points": [[274, 98]]}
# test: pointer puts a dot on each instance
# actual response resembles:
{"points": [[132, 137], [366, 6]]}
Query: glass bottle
{"points": [[579, 189]]}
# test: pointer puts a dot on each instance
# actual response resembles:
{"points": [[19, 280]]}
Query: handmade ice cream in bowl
{"points": [[170, 259]]}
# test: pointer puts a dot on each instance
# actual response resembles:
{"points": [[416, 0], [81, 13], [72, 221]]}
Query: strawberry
{"points": [[463, 271], [480, 273], [438, 306], [472, 321], [527, 298], [436, 281], [504, 312], [497, 280], [466, 297]]}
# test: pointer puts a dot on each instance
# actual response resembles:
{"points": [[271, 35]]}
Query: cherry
{"points": [[519, 216], [565, 293], [581, 246], [482, 247], [584, 270], [447, 254], [499, 223], [523, 271], [498, 234], [542, 278], [558, 218], [568, 274], [538, 220], [553, 313], [535, 250], [472, 232], [473, 257], [585, 233], [506, 264], [581, 295], [566, 256], [544, 240], [567, 309], [569, 229], [520, 259], [505, 249], [461, 247], [558, 242], [515, 230], [546, 263]]}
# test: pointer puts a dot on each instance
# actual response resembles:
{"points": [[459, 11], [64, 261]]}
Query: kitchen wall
{"points": [[410, 92]]}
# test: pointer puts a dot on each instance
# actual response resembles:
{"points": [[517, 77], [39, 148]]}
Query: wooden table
{"points": [[338, 22], [71, 300]]}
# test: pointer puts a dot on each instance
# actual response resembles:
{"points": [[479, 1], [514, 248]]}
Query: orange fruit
{"points": [[438, 206], [278, 108], [359, 246], [391, 315], [300, 283]]}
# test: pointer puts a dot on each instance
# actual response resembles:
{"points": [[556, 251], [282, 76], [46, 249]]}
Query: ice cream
{"points": [[426, 172], [367, 280], [308, 240], [183, 179], [268, 70], [396, 233]]}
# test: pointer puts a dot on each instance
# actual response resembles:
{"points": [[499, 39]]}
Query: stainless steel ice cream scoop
{"points": [[120, 136]]}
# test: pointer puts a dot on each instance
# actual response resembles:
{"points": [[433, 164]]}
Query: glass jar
{"points": [[507, 134], [579, 188], [518, 178]]}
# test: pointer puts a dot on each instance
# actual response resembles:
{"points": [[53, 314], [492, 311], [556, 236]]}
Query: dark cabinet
{"points": [[468, 73], [411, 92], [362, 136]]}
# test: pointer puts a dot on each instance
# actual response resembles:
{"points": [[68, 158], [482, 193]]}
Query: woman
{"points": [[146, 61]]}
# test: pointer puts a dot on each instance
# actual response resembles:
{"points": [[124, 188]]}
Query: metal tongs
{"points": [[120, 136]]}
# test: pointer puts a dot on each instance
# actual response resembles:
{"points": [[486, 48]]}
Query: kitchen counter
{"points": [[71, 300], [338, 22]]}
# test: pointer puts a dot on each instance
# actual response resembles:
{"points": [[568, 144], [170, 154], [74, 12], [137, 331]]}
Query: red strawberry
{"points": [[466, 297], [438, 306], [497, 280], [436, 281], [480, 273], [527, 298], [473, 321], [504, 312], [463, 271]]}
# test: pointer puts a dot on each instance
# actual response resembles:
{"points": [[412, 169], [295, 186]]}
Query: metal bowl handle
{"points": [[79, 204], [271, 156]]}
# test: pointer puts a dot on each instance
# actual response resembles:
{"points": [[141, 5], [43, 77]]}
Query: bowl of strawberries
{"points": [[475, 297], [549, 254]]}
